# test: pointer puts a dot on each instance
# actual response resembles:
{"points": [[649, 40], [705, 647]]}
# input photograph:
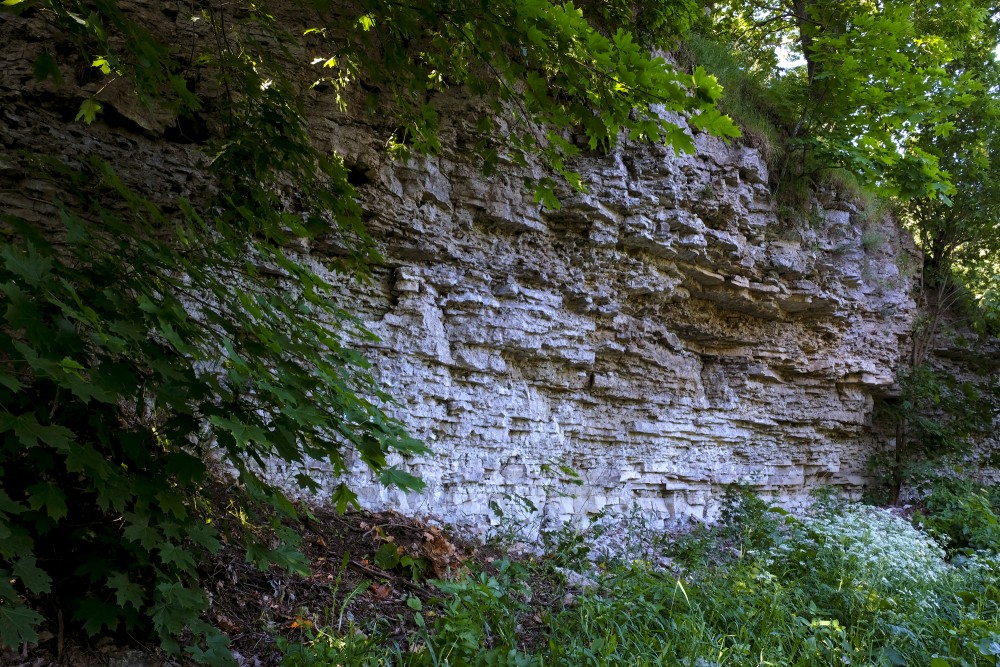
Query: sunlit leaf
{"points": [[88, 111]]}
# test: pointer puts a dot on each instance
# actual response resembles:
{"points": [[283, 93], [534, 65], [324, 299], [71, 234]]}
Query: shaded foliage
{"points": [[936, 418]]}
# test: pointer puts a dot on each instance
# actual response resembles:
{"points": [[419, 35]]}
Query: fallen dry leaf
{"points": [[381, 591]]}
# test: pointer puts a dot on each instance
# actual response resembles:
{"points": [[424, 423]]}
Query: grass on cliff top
{"points": [[848, 584]]}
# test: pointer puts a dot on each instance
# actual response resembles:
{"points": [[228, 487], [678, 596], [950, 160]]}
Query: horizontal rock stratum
{"points": [[667, 334]]}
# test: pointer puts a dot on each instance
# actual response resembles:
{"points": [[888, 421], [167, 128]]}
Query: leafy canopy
{"points": [[961, 240], [860, 80]]}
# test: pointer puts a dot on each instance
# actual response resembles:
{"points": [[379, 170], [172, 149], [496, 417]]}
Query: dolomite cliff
{"points": [[662, 336]]}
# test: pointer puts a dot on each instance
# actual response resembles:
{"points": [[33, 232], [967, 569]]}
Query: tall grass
{"points": [[747, 94]]}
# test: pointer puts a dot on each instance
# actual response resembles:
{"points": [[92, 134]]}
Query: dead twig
{"points": [[406, 583]]}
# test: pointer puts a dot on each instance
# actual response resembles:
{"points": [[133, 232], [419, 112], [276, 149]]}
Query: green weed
{"points": [[845, 584]]}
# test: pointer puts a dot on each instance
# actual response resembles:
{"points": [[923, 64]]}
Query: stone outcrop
{"points": [[663, 336], [667, 334]]}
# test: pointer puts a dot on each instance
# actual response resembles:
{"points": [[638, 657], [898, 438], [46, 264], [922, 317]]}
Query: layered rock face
{"points": [[661, 337], [667, 334]]}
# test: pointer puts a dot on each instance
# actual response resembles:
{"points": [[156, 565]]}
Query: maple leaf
{"points": [[17, 624]]}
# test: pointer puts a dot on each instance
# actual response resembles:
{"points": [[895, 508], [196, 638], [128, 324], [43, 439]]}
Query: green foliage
{"points": [[139, 344], [876, 76], [900, 95], [859, 559], [960, 240], [871, 77], [656, 23], [746, 521], [539, 65], [989, 300], [476, 622], [961, 517], [391, 557], [328, 647], [847, 584], [121, 381], [640, 616], [936, 415], [746, 93]]}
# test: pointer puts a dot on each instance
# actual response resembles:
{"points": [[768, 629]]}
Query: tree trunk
{"points": [[804, 19], [899, 460]]}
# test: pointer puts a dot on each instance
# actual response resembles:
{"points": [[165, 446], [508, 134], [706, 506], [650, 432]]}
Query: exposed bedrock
{"points": [[663, 336]]}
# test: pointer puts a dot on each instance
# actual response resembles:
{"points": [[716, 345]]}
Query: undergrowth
{"points": [[845, 584]]}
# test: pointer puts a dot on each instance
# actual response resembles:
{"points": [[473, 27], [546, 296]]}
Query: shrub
{"points": [[127, 363], [849, 584], [961, 517], [749, 522], [856, 555]]}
